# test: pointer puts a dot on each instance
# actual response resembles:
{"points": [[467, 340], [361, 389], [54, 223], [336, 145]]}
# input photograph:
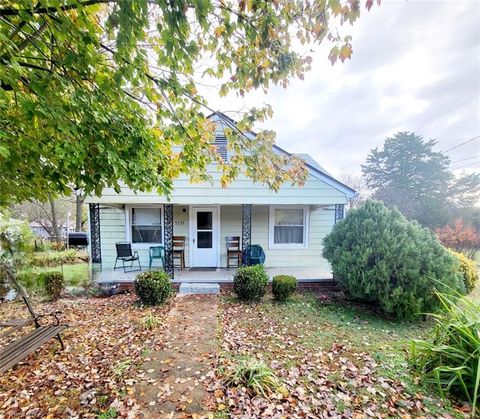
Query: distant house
{"points": [[38, 229], [289, 225], [43, 229]]}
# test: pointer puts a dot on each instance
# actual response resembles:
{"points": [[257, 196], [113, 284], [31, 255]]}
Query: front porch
{"points": [[292, 246], [219, 275]]}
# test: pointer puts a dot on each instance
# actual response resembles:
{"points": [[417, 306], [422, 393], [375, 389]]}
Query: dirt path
{"points": [[173, 382]]}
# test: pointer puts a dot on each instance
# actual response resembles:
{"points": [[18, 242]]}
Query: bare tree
{"points": [[357, 183], [51, 215]]}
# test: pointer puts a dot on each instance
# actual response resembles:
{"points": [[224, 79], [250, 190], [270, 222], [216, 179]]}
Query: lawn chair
{"points": [[124, 253], [24, 346], [253, 255], [156, 252]]}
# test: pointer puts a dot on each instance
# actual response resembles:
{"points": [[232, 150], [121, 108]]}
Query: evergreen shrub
{"points": [[380, 257], [468, 269]]}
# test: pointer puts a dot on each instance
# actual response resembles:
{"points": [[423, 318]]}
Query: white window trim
{"points": [[216, 226], [271, 225], [128, 225]]}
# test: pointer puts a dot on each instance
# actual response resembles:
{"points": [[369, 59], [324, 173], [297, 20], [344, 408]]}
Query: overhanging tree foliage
{"points": [[408, 174], [98, 92]]}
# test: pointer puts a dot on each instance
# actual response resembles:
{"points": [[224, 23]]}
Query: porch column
{"points": [[339, 212], [246, 225], [95, 244], [168, 238]]}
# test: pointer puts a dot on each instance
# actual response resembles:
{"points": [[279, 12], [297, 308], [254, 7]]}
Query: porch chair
{"points": [[233, 250], [253, 255], [156, 252], [124, 253], [179, 250]]}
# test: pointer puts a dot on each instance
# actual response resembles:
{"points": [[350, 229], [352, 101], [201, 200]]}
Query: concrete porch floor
{"points": [[220, 275]]}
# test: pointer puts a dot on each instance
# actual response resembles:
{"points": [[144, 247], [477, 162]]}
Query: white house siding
{"points": [[112, 230], [230, 225], [321, 221], [243, 191], [180, 227]]}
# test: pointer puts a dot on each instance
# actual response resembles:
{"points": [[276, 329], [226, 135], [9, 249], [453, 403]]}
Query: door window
{"points": [[204, 230]]}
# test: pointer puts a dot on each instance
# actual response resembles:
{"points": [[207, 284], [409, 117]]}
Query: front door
{"points": [[205, 227]]}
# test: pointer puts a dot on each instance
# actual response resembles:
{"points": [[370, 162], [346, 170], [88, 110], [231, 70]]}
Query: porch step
{"points": [[199, 288]]}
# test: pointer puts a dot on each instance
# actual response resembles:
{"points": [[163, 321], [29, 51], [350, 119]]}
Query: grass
{"points": [[304, 329], [150, 321], [76, 275]]}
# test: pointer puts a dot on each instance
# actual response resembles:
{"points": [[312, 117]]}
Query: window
{"points": [[146, 225], [288, 226]]}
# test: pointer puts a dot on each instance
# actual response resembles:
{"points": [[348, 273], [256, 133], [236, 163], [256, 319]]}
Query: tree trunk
{"points": [[78, 212], [56, 230]]}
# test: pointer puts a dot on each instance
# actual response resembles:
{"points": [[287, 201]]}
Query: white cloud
{"points": [[416, 67]]}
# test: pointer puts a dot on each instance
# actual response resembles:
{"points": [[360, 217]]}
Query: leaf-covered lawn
{"points": [[105, 342], [332, 359]]}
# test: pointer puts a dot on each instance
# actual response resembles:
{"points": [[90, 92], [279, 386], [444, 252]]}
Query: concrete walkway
{"points": [[173, 384], [196, 288]]}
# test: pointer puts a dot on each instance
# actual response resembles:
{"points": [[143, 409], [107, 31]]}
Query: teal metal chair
{"points": [[156, 252]]}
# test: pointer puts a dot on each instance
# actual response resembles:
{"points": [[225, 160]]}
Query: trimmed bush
{"points": [[53, 283], [468, 270], [250, 283], [283, 286], [380, 257], [153, 287]]}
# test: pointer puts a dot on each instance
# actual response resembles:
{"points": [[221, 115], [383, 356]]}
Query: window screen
{"points": [[288, 226], [146, 225]]}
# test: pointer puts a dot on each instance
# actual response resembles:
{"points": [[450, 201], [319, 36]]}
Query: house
{"points": [[45, 230], [289, 224]]}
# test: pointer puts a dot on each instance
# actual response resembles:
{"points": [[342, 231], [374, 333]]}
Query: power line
{"points": [[467, 165], [463, 143], [468, 158], [452, 109]]}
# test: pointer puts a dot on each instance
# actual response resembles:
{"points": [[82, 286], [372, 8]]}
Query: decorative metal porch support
{"points": [[246, 225], [95, 244], [168, 238], [339, 212]]}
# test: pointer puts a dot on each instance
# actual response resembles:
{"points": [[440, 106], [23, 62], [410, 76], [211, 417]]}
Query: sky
{"points": [[415, 67]]}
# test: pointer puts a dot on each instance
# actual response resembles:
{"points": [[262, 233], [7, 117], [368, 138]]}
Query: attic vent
{"points": [[221, 145]]}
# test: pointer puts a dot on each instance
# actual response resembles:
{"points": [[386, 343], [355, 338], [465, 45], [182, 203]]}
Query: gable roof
{"points": [[313, 167], [311, 161]]}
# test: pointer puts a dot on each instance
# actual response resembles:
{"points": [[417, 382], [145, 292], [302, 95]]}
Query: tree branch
{"points": [[12, 11]]}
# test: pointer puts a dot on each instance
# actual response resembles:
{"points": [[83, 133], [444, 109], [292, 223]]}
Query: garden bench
{"points": [[24, 346], [13, 325]]}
